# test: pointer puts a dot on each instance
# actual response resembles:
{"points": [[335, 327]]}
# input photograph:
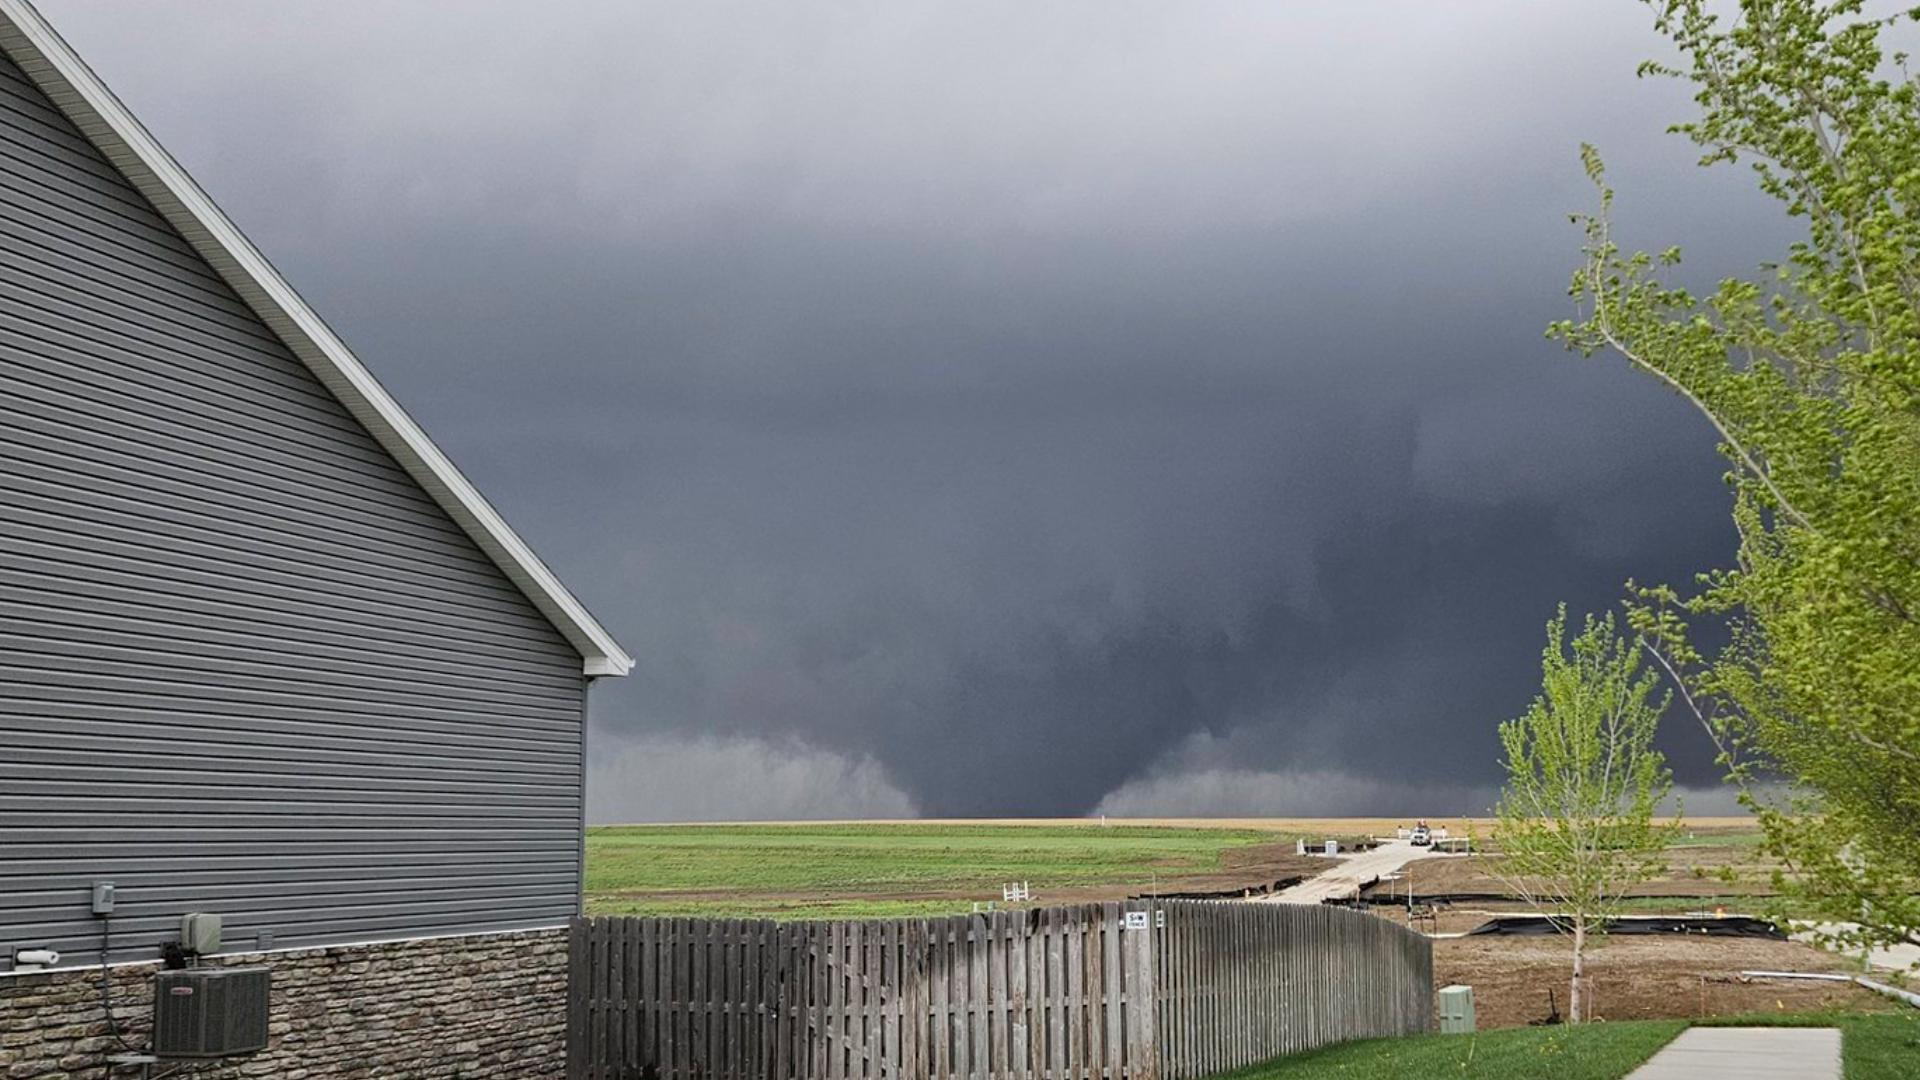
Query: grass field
{"points": [[1883, 1046], [864, 869], [853, 870]]}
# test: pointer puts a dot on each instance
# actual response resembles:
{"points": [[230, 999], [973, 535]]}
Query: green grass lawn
{"points": [[801, 871], [1874, 1046], [1588, 1052]]}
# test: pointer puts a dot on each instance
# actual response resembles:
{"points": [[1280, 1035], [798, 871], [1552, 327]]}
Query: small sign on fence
{"points": [[1137, 920]]}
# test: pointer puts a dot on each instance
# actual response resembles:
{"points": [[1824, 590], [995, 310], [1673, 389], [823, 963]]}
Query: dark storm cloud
{"points": [[991, 408]]}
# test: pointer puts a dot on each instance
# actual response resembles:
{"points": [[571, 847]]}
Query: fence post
{"points": [[1143, 1048], [576, 999]]}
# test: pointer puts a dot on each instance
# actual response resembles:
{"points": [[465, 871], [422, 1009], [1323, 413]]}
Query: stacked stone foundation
{"points": [[456, 1008]]}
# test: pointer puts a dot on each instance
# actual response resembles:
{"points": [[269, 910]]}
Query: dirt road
{"points": [[1350, 874]]}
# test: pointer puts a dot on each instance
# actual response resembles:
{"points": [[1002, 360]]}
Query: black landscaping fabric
{"points": [[1702, 925]]}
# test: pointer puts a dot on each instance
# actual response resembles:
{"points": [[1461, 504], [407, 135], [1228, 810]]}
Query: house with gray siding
{"points": [[264, 652]]}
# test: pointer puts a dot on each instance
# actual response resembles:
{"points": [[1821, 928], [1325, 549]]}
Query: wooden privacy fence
{"points": [[1140, 991], [1238, 983]]}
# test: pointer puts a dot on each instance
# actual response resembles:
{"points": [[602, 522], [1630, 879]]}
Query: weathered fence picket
{"points": [[1187, 989]]}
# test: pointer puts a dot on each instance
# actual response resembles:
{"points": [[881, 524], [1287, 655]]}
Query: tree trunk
{"points": [[1579, 969]]}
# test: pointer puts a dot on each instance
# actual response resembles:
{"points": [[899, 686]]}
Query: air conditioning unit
{"points": [[210, 1012]]}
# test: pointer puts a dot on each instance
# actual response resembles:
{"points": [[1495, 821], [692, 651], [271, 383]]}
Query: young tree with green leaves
{"points": [[1576, 826], [1810, 375]]}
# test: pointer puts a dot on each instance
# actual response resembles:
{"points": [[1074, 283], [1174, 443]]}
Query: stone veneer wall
{"points": [[460, 1008]]}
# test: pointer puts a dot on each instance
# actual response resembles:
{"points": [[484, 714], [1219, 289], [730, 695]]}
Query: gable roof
{"points": [[27, 40]]}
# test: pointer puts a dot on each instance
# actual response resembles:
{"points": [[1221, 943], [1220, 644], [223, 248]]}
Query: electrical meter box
{"points": [[200, 934]]}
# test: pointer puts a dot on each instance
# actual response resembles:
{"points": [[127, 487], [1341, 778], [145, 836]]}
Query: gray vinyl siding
{"points": [[247, 665]]}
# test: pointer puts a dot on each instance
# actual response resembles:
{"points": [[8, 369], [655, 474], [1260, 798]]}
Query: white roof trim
{"points": [[27, 39]]}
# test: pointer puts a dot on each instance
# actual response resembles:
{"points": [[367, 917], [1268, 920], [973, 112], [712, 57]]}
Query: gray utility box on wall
{"points": [[1456, 1010], [210, 1012]]}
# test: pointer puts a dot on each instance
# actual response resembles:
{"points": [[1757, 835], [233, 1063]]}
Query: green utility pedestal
{"points": [[1456, 1010]]}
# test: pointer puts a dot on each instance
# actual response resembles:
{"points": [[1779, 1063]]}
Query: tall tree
{"points": [[1810, 375], [1576, 826]]}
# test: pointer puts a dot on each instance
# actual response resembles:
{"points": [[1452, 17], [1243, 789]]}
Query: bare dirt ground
{"points": [[1470, 877], [1643, 977], [1696, 870], [1253, 869], [1633, 976]]}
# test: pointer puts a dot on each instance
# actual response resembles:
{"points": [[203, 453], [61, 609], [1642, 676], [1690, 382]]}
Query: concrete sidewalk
{"points": [[1746, 1054], [1888, 957], [1351, 873]]}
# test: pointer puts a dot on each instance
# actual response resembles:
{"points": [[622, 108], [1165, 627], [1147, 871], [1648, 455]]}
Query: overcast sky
{"points": [[997, 409]]}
